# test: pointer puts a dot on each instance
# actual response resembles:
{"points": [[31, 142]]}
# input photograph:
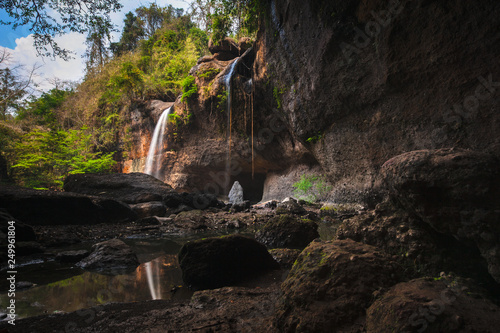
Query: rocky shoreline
{"points": [[404, 266]]}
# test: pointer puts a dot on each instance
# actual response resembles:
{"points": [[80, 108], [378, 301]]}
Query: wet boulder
{"points": [[28, 248], [223, 261], [455, 191], [72, 256], [418, 247], [287, 231], [24, 233], [290, 206], [330, 286], [112, 256], [131, 188], [35, 207], [285, 257], [434, 306], [192, 220], [147, 209], [225, 46]]}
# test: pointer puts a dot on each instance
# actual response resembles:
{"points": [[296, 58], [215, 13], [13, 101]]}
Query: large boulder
{"points": [[147, 209], [192, 220], [24, 233], [419, 248], [285, 257], [455, 191], [72, 256], [136, 188], [36, 207], [434, 306], [112, 256], [330, 286], [222, 261], [227, 46], [287, 231], [131, 188], [290, 206]]}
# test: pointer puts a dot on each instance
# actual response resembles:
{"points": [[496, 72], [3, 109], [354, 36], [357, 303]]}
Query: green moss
{"points": [[209, 74], [277, 96], [189, 88], [222, 101]]}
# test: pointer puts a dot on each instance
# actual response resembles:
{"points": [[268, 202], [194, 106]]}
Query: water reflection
{"points": [[152, 280]]}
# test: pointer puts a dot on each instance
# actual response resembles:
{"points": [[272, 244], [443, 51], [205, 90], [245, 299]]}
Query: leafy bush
{"points": [[189, 88], [45, 158], [311, 188]]}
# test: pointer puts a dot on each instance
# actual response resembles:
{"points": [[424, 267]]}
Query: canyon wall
{"points": [[338, 88], [362, 81]]}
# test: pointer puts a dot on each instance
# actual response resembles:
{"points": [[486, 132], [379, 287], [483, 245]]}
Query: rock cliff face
{"points": [[362, 81], [143, 119], [338, 88]]}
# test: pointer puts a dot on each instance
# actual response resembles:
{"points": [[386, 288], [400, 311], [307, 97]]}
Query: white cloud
{"points": [[73, 70]]}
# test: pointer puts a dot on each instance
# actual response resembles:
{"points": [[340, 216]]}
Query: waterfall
{"points": [[228, 78], [154, 159]]}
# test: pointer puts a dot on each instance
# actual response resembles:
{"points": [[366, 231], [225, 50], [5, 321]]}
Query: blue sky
{"points": [[18, 44]]}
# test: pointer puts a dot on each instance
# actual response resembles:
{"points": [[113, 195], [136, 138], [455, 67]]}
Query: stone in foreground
{"points": [[112, 256], [330, 286], [456, 191], [287, 231], [223, 261], [434, 306]]}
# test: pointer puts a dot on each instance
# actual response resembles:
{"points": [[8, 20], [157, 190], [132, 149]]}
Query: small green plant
{"points": [[311, 188], [222, 101], [277, 96], [189, 88], [209, 74], [315, 138]]}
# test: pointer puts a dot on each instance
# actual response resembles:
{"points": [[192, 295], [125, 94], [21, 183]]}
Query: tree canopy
{"points": [[47, 19]]}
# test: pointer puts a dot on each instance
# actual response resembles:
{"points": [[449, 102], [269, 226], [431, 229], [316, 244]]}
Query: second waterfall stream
{"points": [[153, 160]]}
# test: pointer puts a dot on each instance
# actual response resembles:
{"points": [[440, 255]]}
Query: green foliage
{"points": [[311, 188], [12, 91], [315, 138], [189, 88], [44, 158], [222, 101], [209, 74], [131, 35], [223, 18], [42, 111], [50, 18], [128, 81], [277, 96]]}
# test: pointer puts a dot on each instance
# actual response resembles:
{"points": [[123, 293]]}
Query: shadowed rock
{"points": [[217, 262], [112, 256], [455, 191]]}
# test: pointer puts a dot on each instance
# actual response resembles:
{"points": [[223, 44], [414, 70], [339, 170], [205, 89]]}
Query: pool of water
{"points": [[63, 287]]}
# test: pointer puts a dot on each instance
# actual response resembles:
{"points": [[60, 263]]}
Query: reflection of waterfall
{"points": [[154, 278], [228, 78], [153, 161]]}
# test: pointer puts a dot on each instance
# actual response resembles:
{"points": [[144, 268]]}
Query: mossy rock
{"points": [[287, 231]]}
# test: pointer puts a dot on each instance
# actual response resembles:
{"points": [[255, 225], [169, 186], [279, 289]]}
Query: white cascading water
{"points": [[154, 158], [227, 81]]}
